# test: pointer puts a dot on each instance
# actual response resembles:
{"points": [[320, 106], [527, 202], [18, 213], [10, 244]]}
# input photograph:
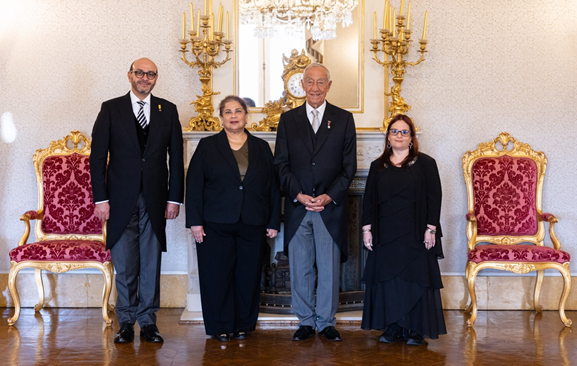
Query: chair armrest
{"points": [[29, 215], [552, 220], [548, 217], [471, 230]]}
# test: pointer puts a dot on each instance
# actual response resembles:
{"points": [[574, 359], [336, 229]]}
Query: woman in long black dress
{"points": [[401, 211]]}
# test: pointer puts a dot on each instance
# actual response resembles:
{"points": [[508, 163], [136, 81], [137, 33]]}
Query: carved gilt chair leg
{"points": [[111, 307], [473, 306], [14, 293], [468, 307], [566, 288], [40, 286], [107, 271], [538, 283]]}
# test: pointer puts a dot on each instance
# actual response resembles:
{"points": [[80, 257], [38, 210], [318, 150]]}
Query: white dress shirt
{"points": [[136, 107]]}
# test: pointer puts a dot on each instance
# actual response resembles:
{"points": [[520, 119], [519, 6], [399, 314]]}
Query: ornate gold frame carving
{"points": [[294, 64], [80, 145], [517, 149]]}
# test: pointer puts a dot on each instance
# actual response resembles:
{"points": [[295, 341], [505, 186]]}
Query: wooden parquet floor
{"points": [[79, 337]]}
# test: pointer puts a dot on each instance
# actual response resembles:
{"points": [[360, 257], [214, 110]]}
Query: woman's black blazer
{"points": [[215, 192]]}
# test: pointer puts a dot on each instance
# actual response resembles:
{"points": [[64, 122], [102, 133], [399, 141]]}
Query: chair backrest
{"points": [[504, 181], [65, 191]]}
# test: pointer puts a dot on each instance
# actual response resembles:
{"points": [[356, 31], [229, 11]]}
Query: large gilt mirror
{"points": [[259, 62]]}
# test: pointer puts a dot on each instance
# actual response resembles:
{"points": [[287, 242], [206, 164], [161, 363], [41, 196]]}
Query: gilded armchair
{"points": [[68, 234], [504, 180]]}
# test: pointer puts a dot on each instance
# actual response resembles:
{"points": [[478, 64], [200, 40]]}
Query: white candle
{"points": [[191, 18], [375, 25], [425, 26], [394, 22], [385, 14], [227, 25], [183, 25], [220, 13], [211, 24], [198, 23], [409, 16]]}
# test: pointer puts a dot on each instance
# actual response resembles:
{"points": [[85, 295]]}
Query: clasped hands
{"points": [[315, 204]]}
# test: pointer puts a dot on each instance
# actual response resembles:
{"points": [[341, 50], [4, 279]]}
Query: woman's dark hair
{"points": [[385, 159], [231, 98]]}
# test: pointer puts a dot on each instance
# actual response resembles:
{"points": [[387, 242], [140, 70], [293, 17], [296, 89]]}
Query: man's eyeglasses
{"points": [[140, 74], [394, 132]]}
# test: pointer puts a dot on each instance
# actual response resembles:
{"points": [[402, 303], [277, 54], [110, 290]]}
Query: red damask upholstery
{"points": [[504, 193], [61, 250], [517, 253], [68, 206]]}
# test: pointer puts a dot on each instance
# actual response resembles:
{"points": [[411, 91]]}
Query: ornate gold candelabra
{"points": [[395, 44], [205, 46]]}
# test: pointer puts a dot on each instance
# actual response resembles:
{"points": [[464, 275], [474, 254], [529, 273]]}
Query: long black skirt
{"points": [[408, 304]]}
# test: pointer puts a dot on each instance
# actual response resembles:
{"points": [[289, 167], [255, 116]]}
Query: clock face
{"points": [[295, 87]]}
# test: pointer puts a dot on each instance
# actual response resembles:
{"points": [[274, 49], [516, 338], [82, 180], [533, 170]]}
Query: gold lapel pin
{"points": [[159, 108]]}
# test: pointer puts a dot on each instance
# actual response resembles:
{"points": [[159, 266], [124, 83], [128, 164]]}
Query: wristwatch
{"points": [[431, 230]]}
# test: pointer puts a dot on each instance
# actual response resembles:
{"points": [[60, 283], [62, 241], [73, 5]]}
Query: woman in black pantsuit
{"points": [[232, 202], [401, 214]]}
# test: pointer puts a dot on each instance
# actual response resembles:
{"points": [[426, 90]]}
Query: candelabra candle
{"points": [[395, 50], [409, 16], [385, 14], [191, 18], [209, 51]]}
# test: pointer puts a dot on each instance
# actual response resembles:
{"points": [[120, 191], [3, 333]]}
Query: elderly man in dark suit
{"points": [[136, 192], [315, 156]]}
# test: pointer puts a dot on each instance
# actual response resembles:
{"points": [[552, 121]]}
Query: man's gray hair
{"points": [[317, 64]]}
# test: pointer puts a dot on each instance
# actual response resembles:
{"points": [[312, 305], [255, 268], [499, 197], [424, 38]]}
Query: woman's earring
{"points": [[388, 144], [410, 145]]}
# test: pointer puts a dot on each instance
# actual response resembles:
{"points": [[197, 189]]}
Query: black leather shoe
{"points": [[240, 334], [125, 334], [331, 333], [151, 334], [224, 337], [304, 332], [414, 338], [393, 333]]}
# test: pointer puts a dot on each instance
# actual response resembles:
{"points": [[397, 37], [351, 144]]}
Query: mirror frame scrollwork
{"points": [[359, 107]]}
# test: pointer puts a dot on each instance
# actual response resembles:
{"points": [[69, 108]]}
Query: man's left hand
{"points": [[172, 210]]}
